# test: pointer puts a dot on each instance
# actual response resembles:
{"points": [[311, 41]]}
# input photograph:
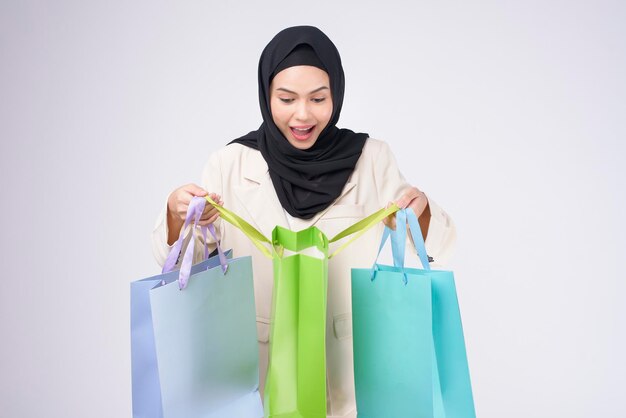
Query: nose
{"points": [[302, 110]]}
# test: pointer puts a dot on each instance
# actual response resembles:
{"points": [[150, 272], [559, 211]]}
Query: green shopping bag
{"points": [[296, 376]]}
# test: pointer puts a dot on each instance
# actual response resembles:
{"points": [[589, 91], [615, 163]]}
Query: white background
{"points": [[509, 114]]}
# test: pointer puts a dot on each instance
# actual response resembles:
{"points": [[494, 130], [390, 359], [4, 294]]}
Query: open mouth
{"points": [[302, 133]]}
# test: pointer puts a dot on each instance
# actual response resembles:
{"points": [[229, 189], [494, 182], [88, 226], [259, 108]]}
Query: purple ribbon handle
{"points": [[194, 212], [223, 262]]}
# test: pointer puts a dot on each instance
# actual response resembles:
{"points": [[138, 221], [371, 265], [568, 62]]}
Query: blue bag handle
{"points": [[416, 233], [398, 260], [398, 241]]}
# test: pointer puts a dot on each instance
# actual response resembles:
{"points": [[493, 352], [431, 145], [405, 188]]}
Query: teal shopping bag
{"points": [[409, 349]]}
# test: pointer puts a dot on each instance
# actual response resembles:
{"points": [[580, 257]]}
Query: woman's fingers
{"points": [[407, 197], [216, 198], [208, 213], [179, 200], [209, 220], [209, 210], [411, 197], [194, 190], [418, 204]]}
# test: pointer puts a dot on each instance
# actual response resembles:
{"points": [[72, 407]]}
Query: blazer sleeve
{"points": [[212, 182], [390, 184]]}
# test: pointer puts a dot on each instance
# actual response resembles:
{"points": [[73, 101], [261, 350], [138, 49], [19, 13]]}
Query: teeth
{"points": [[302, 130]]}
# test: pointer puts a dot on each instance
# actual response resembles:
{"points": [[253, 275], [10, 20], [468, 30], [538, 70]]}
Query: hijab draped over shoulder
{"points": [[306, 181]]}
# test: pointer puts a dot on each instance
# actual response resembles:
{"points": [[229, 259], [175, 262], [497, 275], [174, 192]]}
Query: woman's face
{"points": [[301, 104]]}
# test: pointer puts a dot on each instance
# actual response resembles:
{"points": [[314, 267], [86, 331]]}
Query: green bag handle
{"points": [[260, 241], [257, 238], [362, 227]]}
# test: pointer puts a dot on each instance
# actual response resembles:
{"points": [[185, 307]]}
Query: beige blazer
{"points": [[240, 175]]}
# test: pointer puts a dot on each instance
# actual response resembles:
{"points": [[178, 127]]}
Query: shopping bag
{"points": [[296, 377], [409, 349], [193, 338], [296, 382]]}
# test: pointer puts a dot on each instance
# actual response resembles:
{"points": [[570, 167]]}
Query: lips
{"points": [[302, 133]]}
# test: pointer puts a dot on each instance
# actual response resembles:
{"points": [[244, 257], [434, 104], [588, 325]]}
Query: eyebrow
{"points": [[312, 92]]}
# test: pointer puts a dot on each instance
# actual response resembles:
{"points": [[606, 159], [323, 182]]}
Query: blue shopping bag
{"points": [[409, 348], [193, 338]]}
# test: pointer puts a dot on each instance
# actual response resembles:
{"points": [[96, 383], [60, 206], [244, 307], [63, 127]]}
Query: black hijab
{"points": [[306, 181]]}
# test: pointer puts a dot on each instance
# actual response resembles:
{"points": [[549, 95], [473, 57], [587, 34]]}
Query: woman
{"points": [[297, 170]]}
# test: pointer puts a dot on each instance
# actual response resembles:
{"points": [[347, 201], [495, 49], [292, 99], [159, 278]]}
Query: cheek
{"points": [[279, 115], [324, 115]]}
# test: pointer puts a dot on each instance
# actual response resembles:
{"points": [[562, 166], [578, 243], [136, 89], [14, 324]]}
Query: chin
{"points": [[303, 145]]}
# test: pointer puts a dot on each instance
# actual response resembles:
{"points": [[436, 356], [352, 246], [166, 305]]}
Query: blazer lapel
{"points": [[256, 194]]}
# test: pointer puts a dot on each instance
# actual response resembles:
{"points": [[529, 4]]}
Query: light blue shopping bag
{"points": [[193, 338], [409, 349]]}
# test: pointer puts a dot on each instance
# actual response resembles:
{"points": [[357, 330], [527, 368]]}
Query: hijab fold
{"points": [[306, 181]]}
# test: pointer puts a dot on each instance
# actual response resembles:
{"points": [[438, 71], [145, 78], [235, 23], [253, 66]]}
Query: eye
{"points": [[318, 99], [285, 99]]}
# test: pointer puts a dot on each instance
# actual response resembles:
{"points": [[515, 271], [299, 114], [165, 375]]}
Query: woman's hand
{"points": [[178, 204], [415, 199]]}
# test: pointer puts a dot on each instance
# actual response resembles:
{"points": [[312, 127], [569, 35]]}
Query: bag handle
{"points": [[220, 253], [170, 261], [257, 238], [194, 212], [361, 227], [260, 241], [398, 240]]}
